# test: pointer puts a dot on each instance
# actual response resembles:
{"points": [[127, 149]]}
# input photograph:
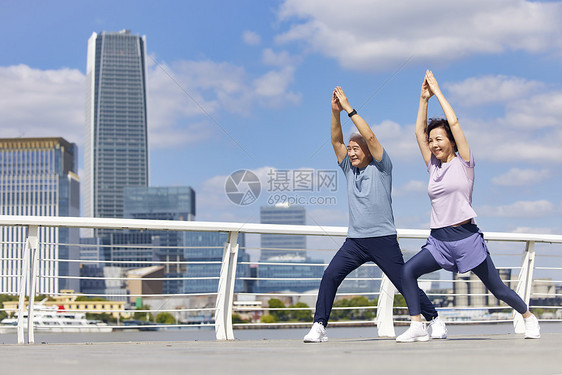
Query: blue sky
{"points": [[246, 85]]}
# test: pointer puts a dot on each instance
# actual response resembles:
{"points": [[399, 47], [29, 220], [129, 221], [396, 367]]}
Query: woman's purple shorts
{"points": [[454, 254]]}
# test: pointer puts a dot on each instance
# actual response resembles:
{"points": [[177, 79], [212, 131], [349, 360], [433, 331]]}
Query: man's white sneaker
{"points": [[416, 332], [438, 329], [532, 328], [316, 334]]}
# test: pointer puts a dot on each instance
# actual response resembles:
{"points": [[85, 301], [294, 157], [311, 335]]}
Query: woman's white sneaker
{"points": [[316, 334], [416, 332]]}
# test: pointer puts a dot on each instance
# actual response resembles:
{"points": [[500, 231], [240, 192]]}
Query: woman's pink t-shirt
{"points": [[450, 191]]}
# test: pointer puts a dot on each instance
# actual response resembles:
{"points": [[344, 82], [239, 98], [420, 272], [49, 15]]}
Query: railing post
{"points": [[384, 319], [525, 283], [225, 296], [34, 268], [27, 284]]}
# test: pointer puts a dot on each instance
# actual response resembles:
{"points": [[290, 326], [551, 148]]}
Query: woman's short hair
{"points": [[441, 123]]}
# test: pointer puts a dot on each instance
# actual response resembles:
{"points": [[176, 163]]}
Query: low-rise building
{"points": [[70, 302]]}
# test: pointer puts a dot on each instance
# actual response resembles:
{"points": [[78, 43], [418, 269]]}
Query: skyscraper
{"points": [[276, 248], [202, 247], [157, 203], [38, 177], [115, 144], [276, 245]]}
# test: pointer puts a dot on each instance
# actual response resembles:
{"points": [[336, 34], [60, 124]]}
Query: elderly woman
{"points": [[455, 243]]}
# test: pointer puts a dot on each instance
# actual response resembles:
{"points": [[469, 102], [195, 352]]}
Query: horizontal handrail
{"points": [[252, 228], [225, 303]]}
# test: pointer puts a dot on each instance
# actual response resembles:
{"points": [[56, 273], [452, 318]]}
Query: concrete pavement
{"points": [[459, 354]]}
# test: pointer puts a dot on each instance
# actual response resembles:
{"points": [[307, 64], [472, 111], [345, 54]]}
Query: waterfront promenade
{"points": [[464, 352]]}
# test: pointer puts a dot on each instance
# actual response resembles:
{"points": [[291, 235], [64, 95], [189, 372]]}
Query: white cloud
{"points": [[520, 177], [493, 140], [281, 59], [529, 105], [372, 35], [202, 87], [211, 195], [533, 230], [530, 129], [398, 141], [487, 90], [42, 103], [190, 89], [251, 38], [180, 134], [524, 209], [186, 100], [535, 112], [271, 89]]}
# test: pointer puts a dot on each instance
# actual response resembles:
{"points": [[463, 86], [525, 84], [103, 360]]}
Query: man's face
{"points": [[359, 154]]}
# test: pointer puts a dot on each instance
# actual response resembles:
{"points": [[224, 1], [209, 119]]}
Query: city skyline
{"points": [[248, 87]]}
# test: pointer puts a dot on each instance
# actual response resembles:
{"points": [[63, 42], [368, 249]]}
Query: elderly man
{"points": [[372, 234]]}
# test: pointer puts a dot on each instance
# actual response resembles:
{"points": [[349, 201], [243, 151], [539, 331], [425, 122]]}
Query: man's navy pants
{"points": [[383, 251]]}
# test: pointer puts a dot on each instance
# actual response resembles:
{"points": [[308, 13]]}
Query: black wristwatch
{"points": [[354, 112]]}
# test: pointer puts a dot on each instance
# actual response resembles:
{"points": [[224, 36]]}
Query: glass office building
{"points": [[278, 245], [304, 267], [276, 248], [38, 178], [115, 143], [203, 253], [184, 254], [156, 203], [160, 203]]}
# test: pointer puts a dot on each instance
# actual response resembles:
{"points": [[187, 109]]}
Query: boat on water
{"points": [[56, 319]]}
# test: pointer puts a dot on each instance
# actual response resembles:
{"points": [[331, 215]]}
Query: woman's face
{"points": [[440, 145]]}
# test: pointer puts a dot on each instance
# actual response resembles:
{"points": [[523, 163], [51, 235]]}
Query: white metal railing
{"points": [[225, 294]]}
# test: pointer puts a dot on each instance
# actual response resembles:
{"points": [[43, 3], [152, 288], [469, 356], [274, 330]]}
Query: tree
{"points": [[340, 314], [165, 318], [268, 319], [286, 315], [236, 318], [362, 314], [104, 317], [537, 312], [144, 316], [86, 298], [357, 313], [4, 298], [301, 315], [400, 301], [279, 315]]}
